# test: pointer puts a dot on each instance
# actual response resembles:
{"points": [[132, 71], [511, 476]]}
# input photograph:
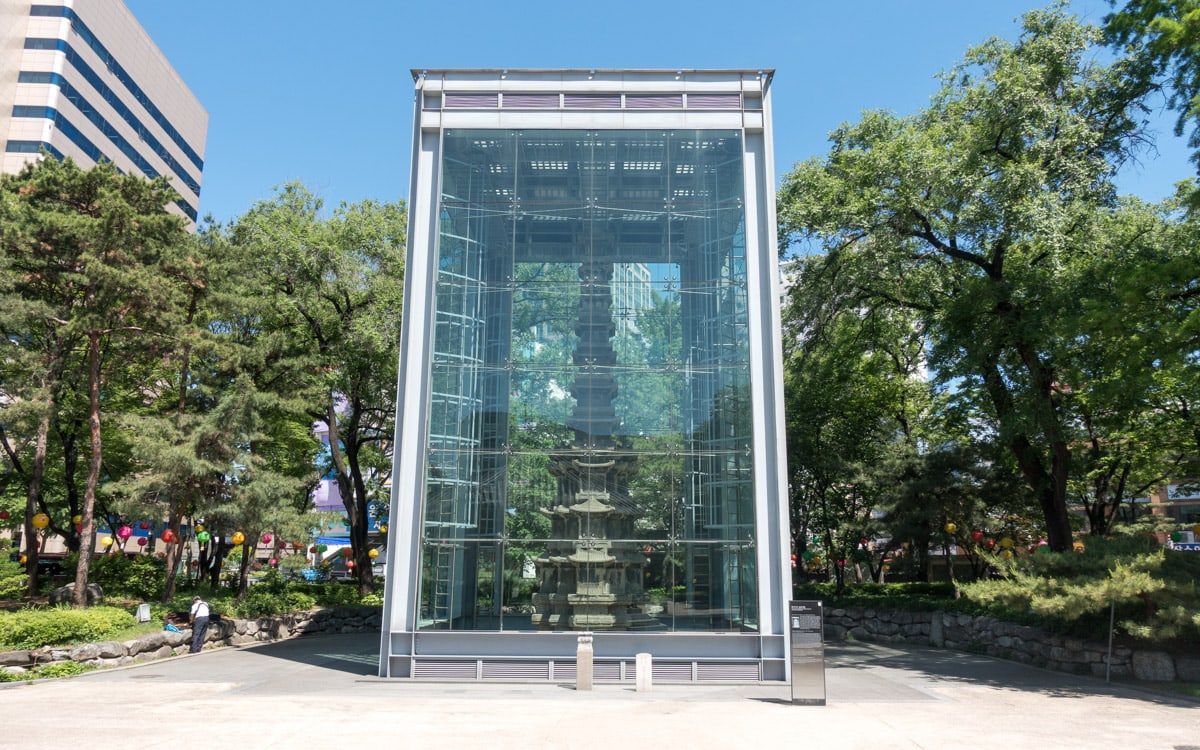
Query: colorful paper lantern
{"points": [[168, 536], [977, 536], [322, 548], [1195, 529], [267, 538], [77, 518], [124, 532], [1006, 553], [350, 564], [238, 537], [374, 553], [24, 559], [107, 541], [347, 552], [203, 537], [3, 515], [312, 550], [194, 563], [40, 521], [199, 527], [383, 528], [1007, 543], [142, 541], [1176, 537], [144, 525], [950, 527], [272, 562], [1078, 546]]}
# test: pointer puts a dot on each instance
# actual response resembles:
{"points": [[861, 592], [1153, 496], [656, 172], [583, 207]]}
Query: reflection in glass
{"points": [[589, 448]]}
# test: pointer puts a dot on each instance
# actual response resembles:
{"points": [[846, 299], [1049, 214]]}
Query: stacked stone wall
{"points": [[225, 632], [1006, 640]]}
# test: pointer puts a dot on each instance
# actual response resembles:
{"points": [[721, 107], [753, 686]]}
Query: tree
{"points": [[91, 256], [336, 284], [1163, 38], [967, 213]]}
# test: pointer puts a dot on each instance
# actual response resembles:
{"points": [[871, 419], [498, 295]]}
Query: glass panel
{"points": [[589, 448]]}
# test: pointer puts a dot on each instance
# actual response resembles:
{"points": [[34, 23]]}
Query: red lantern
{"points": [[977, 536], [194, 563], [142, 541], [350, 564], [168, 536], [313, 549], [347, 552], [3, 515], [144, 525]]}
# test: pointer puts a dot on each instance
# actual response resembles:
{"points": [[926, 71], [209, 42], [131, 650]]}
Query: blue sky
{"points": [[320, 91]]}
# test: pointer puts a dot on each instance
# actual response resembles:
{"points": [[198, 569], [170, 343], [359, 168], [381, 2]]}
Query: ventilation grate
{"points": [[515, 670], [654, 101], [530, 101], [714, 101], [592, 101], [445, 669], [471, 101], [747, 671]]}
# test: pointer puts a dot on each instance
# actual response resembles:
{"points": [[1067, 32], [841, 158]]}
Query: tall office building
{"points": [[559, 469], [81, 78]]}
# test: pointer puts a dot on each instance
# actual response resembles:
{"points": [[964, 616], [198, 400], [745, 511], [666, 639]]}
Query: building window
{"points": [[589, 450]]}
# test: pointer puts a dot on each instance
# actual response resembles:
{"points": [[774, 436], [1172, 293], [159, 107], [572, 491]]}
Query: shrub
{"points": [[138, 577], [261, 603], [47, 671], [34, 628], [372, 600]]}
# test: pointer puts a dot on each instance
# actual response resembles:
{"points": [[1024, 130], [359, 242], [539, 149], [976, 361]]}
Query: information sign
{"points": [[807, 619]]}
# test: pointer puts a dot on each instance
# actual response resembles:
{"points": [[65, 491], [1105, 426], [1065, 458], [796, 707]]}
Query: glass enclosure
{"points": [[589, 449]]}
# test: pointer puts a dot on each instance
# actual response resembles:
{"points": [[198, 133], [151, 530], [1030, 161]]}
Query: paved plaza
{"points": [[321, 692]]}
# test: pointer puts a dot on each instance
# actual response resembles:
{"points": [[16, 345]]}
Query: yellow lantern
{"points": [[1196, 529], [950, 527], [383, 528], [107, 541], [199, 528], [1006, 554], [1077, 546], [77, 519], [238, 537], [40, 521], [374, 553], [1006, 543]]}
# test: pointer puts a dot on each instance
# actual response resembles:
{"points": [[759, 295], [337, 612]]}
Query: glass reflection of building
{"points": [[590, 424]]}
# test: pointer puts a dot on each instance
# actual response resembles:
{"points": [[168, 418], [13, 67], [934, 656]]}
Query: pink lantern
{"points": [[281, 545], [350, 564], [142, 541], [267, 538], [124, 532], [272, 562]]}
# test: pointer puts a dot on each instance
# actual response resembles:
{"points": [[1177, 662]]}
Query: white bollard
{"points": [[645, 673], [583, 662]]}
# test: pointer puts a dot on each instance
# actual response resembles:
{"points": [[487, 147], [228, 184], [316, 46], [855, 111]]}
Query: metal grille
{"points": [[516, 670], [654, 101], [471, 101], [747, 671], [714, 101], [530, 101], [592, 101], [673, 671], [442, 669]]}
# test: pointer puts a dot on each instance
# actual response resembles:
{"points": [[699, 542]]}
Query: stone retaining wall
{"points": [[1006, 640], [226, 632]]}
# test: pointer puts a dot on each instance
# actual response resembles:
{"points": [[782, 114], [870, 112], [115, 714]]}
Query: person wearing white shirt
{"points": [[199, 617]]}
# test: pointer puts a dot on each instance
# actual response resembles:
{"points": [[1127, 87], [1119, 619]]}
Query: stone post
{"points": [[645, 673], [583, 661]]}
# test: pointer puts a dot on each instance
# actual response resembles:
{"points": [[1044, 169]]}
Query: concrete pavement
{"points": [[321, 692]]}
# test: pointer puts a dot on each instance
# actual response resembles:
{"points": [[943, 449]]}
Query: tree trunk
{"points": [[87, 530], [34, 493]]}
